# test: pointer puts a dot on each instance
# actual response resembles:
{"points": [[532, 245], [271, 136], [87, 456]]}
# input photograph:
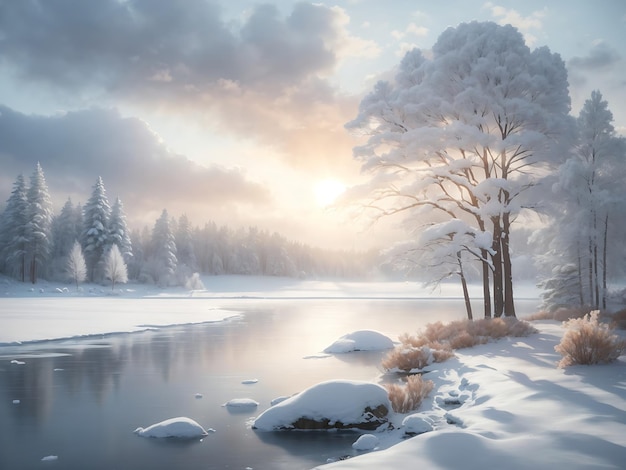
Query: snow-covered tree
{"points": [[163, 251], [463, 136], [586, 209], [13, 234], [184, 244], [94, 238], [65, 230], [75, 266], [115, 267], [118, 230], [39, 223]]}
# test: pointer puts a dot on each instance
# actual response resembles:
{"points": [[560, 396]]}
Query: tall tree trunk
{"points": [[466, 297], [580, 274], [22, 273], [591, 299], [596, 274], [509, 303], [484, 254], [486, 289], [604, 259], [496, 258]]}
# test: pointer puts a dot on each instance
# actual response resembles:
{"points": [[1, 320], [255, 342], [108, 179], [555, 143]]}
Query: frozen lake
{"points": [[81, 399]]}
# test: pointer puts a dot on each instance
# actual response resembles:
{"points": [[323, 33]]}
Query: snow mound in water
{"points": [[181, 427], [362, 340], [241, 403], [336, 404]]}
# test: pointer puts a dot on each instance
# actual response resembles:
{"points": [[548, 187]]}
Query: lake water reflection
{"points": [[82, 399]]}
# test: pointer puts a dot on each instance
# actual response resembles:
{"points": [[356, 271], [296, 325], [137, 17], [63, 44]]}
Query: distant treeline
{"points": [[35, 242]]}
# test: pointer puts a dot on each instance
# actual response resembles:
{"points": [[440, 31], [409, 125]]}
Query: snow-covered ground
{"points": [[506, 405], [502, 404]]}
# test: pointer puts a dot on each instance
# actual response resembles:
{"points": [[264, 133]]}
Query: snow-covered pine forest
{"points": [[82, 243]]}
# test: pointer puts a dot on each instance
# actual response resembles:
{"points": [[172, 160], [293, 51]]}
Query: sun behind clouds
{"points": [[327, 191]]}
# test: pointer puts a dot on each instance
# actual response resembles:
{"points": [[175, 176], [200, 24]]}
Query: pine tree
{"points": [[39, 224], [64, 231], [184, 245], [163, 257], [63, 237], [94, 238], [14, 238], [118, 231], [588, 207]]}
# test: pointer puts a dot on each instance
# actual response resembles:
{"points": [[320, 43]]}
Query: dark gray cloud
{"points": [[262, 76], [600, 55], [75, 148], [163, 46]]}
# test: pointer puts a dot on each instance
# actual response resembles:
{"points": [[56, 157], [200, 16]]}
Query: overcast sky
{"points": [[233, 111]]}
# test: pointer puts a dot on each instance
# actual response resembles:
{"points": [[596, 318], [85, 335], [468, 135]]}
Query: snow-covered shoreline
{"points": [[507, 403]]}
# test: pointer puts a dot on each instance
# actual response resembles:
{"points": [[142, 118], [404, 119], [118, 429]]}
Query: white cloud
{"points": [[412, 29], [525, 24], [347, 45], [404, 48], [417, 30]]}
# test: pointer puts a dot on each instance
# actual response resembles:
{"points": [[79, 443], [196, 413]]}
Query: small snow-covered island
{"points": [[240, 235]]}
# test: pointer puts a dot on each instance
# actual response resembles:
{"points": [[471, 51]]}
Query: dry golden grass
{"points": [[589, 341], [541, 315], [618, 319], [408, 397], [438, 340], [560, 314]]}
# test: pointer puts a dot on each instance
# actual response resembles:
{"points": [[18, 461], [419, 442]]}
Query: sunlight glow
{"points": [[327, 191]]}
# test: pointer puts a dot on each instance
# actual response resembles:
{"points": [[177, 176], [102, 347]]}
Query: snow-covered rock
{"points": [[365, 442], [241, 403], [362, 340], [50, 458], [181, 427], [336, 404], [417, 424], [278, 400]]}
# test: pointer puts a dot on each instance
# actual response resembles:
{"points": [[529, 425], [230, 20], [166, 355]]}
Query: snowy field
{"points": [[503, 404]]}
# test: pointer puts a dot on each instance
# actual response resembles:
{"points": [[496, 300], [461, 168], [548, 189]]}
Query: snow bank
{"points": [[362, 340], [506, 402], [182, 428], [40, 319], [366, 442], [336, 404], [417, 424]]}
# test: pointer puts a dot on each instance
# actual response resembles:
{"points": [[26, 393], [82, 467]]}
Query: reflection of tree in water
{"points": [[32, 384], [36, 383], [97, 368]]}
